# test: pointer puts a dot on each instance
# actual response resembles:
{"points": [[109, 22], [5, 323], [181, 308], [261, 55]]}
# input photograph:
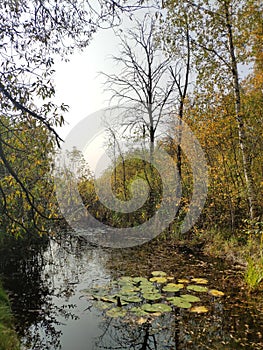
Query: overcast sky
{"points": [[78, 83]]}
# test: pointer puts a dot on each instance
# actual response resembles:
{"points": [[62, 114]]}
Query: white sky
{"points": [[79, 85], [78, 82]]}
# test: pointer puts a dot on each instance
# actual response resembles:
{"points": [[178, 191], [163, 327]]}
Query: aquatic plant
{"points": [[140, 296]]}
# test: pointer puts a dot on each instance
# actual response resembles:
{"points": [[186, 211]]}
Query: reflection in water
{"points": [[45, 280]]}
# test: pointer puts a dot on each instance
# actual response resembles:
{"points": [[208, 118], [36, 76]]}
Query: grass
{"points": [[8, 337], [254, 274]]}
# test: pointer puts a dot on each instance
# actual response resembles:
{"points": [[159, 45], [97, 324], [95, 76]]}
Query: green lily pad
{"points": [[196, 288], [172, 287], [149, 289], [127, 290], [190, 298], [140, 279], [159, 273], [116, 312], [132, 299], [159, 307], [152, 296], [138, 311], [125, 279], [158, 279], [180, 302]]}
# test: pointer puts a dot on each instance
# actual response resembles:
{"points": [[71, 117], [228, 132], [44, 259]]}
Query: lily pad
{"points": [[152, 296], [159, 307], [141, 320], [199, 280], [125, 279], [216, 293], [169, 278], [196, 288], [149, 289], [140, 280], [158, 279], [127, 290], [132, 299], [172, 287], [180, 302], [116, 312], [159, 273], [190, 298], [183, 280], [138, 311], [108, 299], [199, 309]]}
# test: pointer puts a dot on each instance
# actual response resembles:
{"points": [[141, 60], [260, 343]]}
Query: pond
{"points": [[47, 281]]}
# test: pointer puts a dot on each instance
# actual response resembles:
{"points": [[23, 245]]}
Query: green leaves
{"points": [[196, 288], [139, 296], [172, 287]]}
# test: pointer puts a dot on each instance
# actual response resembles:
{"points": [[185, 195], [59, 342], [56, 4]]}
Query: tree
{"points": [[27, 199], [220, 32], [146, 84], [32, 33], [145, 81]]}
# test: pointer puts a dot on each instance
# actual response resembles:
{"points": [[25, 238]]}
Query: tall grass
{"points": [[8, 337]]}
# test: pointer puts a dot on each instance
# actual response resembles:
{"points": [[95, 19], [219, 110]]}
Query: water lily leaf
{"points": [[149, 289], [169, 278], [147, 308], [216, 293], [125, 279], [158, 279], [108, 299], [116, 312], [141, 320], [190, 298], [138, 311], [199, 280], [199, 309], [132, 299], [140, 279], [152, 296], [159, 307], [183, 280], [180, 302], [172, 287], [197, 288], [159, 273], [127, 290]]}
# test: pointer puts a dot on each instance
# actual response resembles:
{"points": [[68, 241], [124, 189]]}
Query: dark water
{"points": [[45, 281]]}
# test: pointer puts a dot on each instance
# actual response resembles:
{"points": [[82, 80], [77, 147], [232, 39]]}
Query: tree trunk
{"points": [[241, 128]]}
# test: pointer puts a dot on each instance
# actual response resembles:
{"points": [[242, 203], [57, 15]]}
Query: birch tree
{"points": [[220, 32]]}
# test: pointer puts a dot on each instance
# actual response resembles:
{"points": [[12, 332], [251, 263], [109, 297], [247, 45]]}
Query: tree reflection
{"points": [[36, 273], [153, 334]]}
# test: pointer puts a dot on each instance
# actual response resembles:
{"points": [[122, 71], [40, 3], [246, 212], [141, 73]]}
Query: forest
{"points": [[190, 75]]}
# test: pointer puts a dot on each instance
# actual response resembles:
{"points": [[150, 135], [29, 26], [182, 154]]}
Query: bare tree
{"points": [[145, 82]]}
